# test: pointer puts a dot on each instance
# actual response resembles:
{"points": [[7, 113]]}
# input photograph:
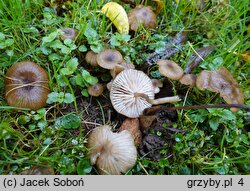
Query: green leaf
{"points": [[84, 166], [69, 98], [91, 80], [90, 32], [96, 48], [52, 36], [2, 36], [61, 80], [85, 93], [65, 71], [72, 64], [52, 97], [214, 123], [70, 121], [6, 43], [82, 48]]}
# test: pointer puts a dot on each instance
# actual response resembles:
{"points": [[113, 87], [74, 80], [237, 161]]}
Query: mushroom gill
{"points": [[113, 153], [132, 91]]}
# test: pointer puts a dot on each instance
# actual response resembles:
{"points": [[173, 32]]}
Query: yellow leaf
{"points": [[117, 15], [245, 56]]}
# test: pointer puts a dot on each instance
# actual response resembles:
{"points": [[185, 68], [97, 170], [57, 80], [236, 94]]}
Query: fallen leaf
{"points": [[117, 15], [147, 120], [245, 56]]}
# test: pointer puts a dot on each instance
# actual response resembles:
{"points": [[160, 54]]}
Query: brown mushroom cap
{"points": [[221, 81], [120, 67], [69, 33], [188, 79], [95, 90], [142, 15], [91, 58], [26, 85], [157, 85], [108, 58], [170, 69], [113, 153]]}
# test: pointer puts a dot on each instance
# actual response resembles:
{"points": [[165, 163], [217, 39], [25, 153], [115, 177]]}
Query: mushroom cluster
{"points": [[112, 153], [221, 81], [26, 85]]}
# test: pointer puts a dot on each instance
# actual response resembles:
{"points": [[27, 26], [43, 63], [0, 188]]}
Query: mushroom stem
{"points": [[159, 100], [156, 109]]}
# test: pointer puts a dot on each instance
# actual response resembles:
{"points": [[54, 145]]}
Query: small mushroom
{"points": [[120, 67], [95, 90], [109, 58], [132, 91], [91, 58], [133, 127], [221, 81], [142, 15], [157, 85], [170, 69], [26, 85], [188, 79], [109, 85], [113, 153], [69, 33]]}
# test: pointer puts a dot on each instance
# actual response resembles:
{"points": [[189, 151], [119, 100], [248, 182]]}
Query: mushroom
{"points": [[109, 58], [142, 15], [109, 85], [91, 58], [26, 85], [133, 127], [157, 85], [170, 69], [188, 79], [120, 67], [113, 153], [132, 91], [221, 81], [69, 33], [95, 90]]}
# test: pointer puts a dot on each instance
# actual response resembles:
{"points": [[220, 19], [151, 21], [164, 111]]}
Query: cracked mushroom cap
{"points": [[123, 89], [109, 58], [113, 153], [170, 69], [221, 81]]}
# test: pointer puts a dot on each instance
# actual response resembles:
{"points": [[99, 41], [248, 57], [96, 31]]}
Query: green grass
{"points": [[216, 141]]}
